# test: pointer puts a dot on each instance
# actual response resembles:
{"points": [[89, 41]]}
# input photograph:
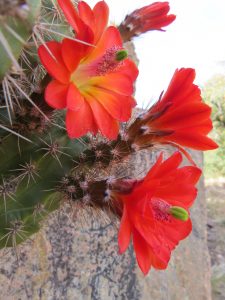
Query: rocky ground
{"points": [[215, 196]]}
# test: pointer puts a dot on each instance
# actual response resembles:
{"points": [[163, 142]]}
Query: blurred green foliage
{"points": [[214, 94]]}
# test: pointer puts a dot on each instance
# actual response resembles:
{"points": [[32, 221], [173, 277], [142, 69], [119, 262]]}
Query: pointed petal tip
{"points": [[145, 272], [121, 250], [214, 145], [177, 155], [197, 175], [144, 269]]}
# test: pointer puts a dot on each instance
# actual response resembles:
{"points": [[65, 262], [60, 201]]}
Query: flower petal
{"points": [[70, 14], [189, 174], [75, 100], [158, 264], [80, 122], [203, 128], [195, 141], [86, 13], [155, 9], [117, 82], [180, 83], [169, 165], [129, 69], [158, 23], [177, 192], [148, 232], [186, 115], [142, 251], [124, 232], [83, 32], [145, 189], [176, 230], [106, 124], [118, 106], [100, 9], [155, 168], [51, 58], [55, 94], [72, 53]]}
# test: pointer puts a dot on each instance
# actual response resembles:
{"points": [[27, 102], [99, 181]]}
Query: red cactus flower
{"points": [[155, 212], [93, 83], [180, 117], [150, 17]]}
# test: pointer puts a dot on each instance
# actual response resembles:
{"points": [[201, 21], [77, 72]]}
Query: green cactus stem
{"points": [[17, 19]]}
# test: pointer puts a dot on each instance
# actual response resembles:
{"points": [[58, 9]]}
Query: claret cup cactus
{"points": [[66, 91]]}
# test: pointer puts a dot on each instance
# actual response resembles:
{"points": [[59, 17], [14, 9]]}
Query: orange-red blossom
{"points": [[179, 118], [93, 80], [156, 211]]}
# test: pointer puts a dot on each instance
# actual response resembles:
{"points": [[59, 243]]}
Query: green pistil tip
{"points": [[121, 55], [179, 213]]}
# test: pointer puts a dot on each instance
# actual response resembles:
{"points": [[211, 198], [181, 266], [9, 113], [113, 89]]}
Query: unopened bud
{"points": [[179, 213]]}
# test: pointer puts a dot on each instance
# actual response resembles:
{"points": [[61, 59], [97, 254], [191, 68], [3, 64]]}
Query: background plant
{"points": [[214, 95]]}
